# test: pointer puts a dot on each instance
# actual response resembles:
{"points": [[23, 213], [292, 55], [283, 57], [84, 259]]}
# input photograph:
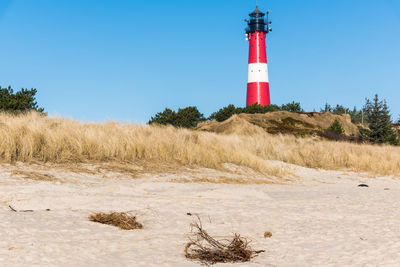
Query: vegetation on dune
{"points": [[380, 126], [230, 110], [336, 132], [336, 127], [355, 114], [190, 116], [32, 137], [29, 136], [292, 107], [185, 118], [20, 101], [374, 121], [376, 115], [224, 113]]}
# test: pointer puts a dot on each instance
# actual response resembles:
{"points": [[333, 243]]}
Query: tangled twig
{"points": [[208, 250]]}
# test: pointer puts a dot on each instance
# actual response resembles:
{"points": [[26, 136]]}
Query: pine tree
{"points": [[336, 127], [292, 107], [379, 122], [185, 117], [20, 101], [326, 109], [166, 117], [188, 117]]}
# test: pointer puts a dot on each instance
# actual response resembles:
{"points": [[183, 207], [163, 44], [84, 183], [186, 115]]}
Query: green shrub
{"points": [[166, 117], [190, 116], [256, 108], [230, 110], [224, 113], [336, 127], [292, 107], [20, 101], [186, 118]]}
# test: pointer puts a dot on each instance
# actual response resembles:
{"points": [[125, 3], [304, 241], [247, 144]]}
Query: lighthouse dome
{"points": [[257, 13]]}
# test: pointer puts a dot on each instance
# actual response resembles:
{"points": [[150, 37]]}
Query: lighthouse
{"points": [[258, 83]]}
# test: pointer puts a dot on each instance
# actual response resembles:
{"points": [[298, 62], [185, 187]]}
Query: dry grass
{"points": [[33, 138], [208, 250], [267, 235], [130, 169], [118, 219], [224, 180], [37, 176], [330, 155]]}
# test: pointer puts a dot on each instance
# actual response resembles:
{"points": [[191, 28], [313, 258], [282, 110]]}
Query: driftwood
{"points": [[206, 249]]}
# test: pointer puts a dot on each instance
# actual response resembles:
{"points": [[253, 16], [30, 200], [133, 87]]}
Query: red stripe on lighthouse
{"points": [[258, 93], [258, 83], [258, 50]]}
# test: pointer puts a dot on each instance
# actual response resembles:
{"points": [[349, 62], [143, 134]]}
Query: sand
{"points": [[321, 218]]}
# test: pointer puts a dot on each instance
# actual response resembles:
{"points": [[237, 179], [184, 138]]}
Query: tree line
{"points": [[190, 116], [374, 116]]}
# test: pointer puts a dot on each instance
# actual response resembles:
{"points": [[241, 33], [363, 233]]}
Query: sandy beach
{"points": [[320, 218]]}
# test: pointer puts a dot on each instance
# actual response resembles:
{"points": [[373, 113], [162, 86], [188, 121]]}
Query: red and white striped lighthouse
{"points": [[258, 83]]}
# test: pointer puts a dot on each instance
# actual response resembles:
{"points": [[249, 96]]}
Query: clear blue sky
{"points": [[126, 60]]}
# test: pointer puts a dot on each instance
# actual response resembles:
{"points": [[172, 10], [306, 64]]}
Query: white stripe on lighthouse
{"points": [[258, 72]]}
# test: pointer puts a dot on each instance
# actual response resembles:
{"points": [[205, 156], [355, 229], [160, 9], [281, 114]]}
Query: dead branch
{"points": [[208, 250]]}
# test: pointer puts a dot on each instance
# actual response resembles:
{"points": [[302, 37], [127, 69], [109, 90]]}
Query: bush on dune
{"points": [[226, 112], [336, 127], [20, 101], [184, 118]]}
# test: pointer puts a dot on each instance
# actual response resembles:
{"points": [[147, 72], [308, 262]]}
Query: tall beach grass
{"points": [[33, 137]]}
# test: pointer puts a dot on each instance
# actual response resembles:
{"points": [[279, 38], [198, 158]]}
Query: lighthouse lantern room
{"points": [[258, 82]]}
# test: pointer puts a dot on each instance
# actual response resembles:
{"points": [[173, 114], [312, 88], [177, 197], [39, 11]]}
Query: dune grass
{"points": [[32, 138], [35, 138], [224, 180], [37, 176]]}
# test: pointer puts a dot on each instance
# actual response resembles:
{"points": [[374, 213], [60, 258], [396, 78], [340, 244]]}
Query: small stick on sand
{"points": [[14, 210]]}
